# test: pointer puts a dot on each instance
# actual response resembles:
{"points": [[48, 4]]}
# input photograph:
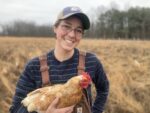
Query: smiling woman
{"points": [[62, 63], [68, 34]]}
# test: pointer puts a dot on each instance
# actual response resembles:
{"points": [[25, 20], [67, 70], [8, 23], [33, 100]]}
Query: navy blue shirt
{"points": [[60, 72]]}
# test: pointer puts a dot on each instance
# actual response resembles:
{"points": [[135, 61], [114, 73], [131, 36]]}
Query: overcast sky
{"points": [[45, 11]]}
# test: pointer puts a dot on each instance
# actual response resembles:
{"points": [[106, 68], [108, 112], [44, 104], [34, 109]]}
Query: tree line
{"points": [[133, 23], [22, 28]]}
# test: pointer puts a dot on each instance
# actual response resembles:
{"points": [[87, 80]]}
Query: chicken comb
{"points": [[86, 75]]}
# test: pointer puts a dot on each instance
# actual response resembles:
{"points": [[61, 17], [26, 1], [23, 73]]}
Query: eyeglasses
{"points": [[68, 28]]}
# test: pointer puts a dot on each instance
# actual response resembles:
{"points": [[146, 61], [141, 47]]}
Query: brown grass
{"points": [[127, 65]]}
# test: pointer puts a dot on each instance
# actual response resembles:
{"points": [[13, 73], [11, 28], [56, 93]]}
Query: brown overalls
{"points": [[84, 105]]}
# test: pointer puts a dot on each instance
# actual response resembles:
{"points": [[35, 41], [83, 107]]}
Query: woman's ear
{"points": [[54, 29]]}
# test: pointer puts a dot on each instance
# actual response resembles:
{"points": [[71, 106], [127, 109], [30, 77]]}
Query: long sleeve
{"points": [[102, 88], [24, 85]]}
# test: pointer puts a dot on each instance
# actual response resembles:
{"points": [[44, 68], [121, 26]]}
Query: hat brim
{"points": [[84, 19]]}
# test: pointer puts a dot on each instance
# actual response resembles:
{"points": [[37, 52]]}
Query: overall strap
{"points": [[81, 68], [81, 65], [44, 70]]}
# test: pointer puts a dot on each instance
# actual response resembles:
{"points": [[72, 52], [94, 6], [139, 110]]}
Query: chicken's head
{"points": [[85, 80], [81, 81]]}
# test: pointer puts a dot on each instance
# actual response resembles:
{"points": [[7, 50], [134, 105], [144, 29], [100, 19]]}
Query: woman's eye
{"points": [[79, 31], [67, 27]]}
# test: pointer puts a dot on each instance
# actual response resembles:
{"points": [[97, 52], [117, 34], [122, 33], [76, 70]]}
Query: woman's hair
{"points": [[57, 23]]}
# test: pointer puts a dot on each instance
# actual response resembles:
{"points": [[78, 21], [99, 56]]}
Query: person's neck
{"points": [[62, 55]]}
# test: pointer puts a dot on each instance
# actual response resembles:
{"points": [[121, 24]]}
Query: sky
{"points": [[45, 11]]}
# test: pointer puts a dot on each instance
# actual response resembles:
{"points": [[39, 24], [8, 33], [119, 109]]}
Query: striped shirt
{"points": [[60, 72]]}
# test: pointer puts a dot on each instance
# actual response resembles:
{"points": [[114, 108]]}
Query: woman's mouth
{"points": [[69, 41]]}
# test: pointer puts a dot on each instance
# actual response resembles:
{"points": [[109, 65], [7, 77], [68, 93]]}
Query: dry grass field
{"points": [[127, 64]]}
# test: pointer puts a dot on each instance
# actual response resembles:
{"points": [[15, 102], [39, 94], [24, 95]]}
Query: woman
{"points": [[63, 61]]}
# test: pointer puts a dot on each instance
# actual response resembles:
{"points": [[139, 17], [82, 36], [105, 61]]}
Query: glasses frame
{"points": [[79, 32]]}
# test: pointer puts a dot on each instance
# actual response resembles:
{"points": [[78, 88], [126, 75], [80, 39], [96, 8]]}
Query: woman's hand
{"points": [[53, 108]]}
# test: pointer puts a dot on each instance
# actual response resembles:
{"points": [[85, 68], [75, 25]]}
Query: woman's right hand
{"points": [[53, 108]]}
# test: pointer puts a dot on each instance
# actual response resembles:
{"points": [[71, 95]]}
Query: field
{"points": [[127, 64]]}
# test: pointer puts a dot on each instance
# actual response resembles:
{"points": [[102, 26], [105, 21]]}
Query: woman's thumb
{"points": [[55, 102]]}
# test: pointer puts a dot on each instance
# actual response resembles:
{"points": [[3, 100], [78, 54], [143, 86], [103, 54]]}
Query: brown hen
{"points": [[41, 98]]}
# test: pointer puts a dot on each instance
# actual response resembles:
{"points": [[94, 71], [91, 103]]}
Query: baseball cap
{"points": [[74, 11]]}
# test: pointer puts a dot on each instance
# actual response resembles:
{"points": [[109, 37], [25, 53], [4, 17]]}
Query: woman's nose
{"points": [[72, 33]]}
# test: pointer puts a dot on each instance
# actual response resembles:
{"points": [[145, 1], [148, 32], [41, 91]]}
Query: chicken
{"points": [[41, 98]]}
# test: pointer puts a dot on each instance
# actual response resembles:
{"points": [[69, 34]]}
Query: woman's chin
{"points": [[68, 48]]}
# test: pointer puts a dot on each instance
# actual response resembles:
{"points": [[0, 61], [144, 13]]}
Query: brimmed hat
{"points": [[72, 11]]}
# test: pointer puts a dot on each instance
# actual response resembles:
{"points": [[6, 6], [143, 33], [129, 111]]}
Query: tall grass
{"points": [[126, 63]]}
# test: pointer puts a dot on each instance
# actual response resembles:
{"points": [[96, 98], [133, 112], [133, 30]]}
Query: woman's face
{"points": [[68, 33]]}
